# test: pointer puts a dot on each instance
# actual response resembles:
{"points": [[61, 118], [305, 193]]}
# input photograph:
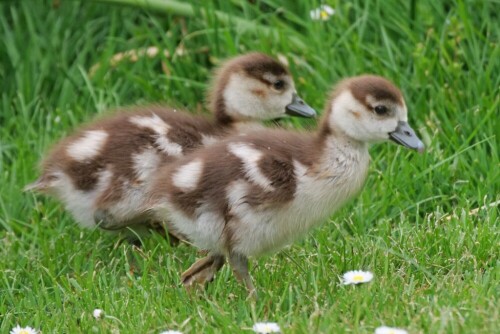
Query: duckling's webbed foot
{"points": [[239, 264], [203, 270]]}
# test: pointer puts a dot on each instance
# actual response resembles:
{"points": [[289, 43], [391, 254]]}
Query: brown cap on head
{"points": [[366, 85], [257, 64], [253, 64], [374, 86]]}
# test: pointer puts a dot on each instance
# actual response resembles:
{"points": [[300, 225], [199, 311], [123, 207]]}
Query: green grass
{"points": [[436, 261]]}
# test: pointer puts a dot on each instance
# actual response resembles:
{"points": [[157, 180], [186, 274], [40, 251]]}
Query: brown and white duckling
{"points": [[106, 164], [255, 193]]}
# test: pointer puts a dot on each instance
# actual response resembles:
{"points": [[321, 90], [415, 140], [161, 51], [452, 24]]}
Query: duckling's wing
{"points": [[280, 173]]}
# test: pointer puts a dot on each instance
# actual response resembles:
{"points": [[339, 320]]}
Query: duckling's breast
{"points": [[317, 196]]}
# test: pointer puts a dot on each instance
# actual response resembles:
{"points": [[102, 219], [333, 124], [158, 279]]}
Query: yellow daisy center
{"points": [[323, 14], [357, 278], [23, 331]]}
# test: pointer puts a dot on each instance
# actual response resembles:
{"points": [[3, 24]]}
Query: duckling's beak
{"points": [[404, 135], [299, 108]]}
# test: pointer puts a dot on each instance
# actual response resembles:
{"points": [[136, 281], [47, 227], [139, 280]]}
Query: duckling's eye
{"points": [[381, 110], [279, 84]]}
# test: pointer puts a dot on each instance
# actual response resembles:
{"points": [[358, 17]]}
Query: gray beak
{"points": [[404, 135], [299, 108]]}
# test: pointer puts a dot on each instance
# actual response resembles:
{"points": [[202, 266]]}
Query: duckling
{"points": [[255, 193], [107, 164]]}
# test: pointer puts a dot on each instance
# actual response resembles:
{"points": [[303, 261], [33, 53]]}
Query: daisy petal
{"points": [[357, 277], [390, 330], [23, 330], [323, 13], [98, 313], [266, 327]]}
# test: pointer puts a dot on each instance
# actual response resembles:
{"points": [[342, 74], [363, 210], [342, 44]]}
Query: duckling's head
{"points": [[370, 109], [255, 86]]}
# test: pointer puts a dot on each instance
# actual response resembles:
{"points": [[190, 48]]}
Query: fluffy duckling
{"points": [[106, 164], [255, 193]]}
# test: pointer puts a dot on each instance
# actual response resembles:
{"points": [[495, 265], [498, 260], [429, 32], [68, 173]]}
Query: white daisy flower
{"points": [[322, 13], [266, 327], [356, 277], [171, 332], [390, 330], [23, 330], [98, 313]]}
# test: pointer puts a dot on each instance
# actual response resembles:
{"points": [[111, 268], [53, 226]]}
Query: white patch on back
{"points": [[155, 123], [168, 147], [207, 140], [88, 146], [187, 176], [250, 158], [146, 163]]}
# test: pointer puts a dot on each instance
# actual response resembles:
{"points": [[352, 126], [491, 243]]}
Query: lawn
{"points": [[427, 225]]}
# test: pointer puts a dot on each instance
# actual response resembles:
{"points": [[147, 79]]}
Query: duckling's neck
{"points": [[218, 107], [342, 157], [242, 127], [224, 120]]}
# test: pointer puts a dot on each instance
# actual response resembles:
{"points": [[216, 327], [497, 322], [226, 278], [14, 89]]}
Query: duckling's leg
{"points": [[203, 270], [239, 264]]}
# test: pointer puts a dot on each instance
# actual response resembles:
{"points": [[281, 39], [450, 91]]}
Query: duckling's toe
{"points": [[202, 271]]}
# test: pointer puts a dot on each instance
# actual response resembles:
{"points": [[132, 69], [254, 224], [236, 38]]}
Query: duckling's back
{"points": [[107, 162]]}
